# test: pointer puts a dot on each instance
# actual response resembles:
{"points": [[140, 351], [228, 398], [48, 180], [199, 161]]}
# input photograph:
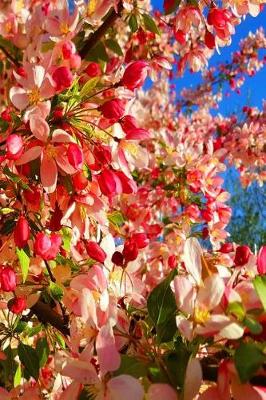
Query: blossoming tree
{"points": [[117, 277]]}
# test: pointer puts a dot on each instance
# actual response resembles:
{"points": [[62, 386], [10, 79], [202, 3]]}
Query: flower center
{"points": [[34, 95], [51, 151], [64, 28], [201, 315]]}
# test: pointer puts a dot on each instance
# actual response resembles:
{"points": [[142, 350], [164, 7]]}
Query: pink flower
{"points": [[159, 391], [113, 109], [242, 255], [95, 251], [17, 305], [131, 129], [135, 75], [75, 156], [261, 261], [21, 232], [93, 69], [14, 147], [35, 85], [46, 246], [52, 151], [63, 78], [8, 279]]}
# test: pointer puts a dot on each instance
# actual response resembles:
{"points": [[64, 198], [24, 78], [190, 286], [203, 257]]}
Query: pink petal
{"points": [[29, 155], [185, 326], [184, 294], [38, 75], [192, 258], [39, 128], [193, 379], [4, 394], [108, 356], [63, 163], [72, 392], [61, 136], [159, 391], [19, 97], [210, 394], [261, 261], [246, 391], [81, 371], [211, 293], [48, 173], [125, 387]]}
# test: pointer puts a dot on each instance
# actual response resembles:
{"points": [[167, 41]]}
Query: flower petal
{"points": [[192, 258], [108, 355], [39, 128], [19, 97], [184, 294], [48, 173], [29, 155], [61, 136], [125, 387], [159, 391], [193, 379], [210, 294]]}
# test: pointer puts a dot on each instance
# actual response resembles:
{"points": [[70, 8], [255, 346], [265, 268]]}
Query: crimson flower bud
{"points": [[172, 261], [180, 36], [242, 255], [261, 261], [113, 109], [75, 155], [63, 78], [33, 195], [140, 239], [79, 181], [109, 182], [135, 74], [17, 305], [226, 248], [130, 251], [46, 246], [14, 147], [67, 49], [209, 40], [131, 129], [6, 115], [93, 69], [8, 279], [118, 258], [95, 251], [21, 232]]}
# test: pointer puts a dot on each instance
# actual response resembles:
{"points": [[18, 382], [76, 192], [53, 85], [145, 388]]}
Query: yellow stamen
{"points": [[34, 96], [64, 28], [201, 315]]}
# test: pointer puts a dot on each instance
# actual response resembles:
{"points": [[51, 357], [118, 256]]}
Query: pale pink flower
{"points": [[51, 151], [35, 85]]}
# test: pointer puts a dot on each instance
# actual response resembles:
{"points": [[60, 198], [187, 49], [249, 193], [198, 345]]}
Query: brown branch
{"points": [[9, 56], [46, 314], [99, 33]]}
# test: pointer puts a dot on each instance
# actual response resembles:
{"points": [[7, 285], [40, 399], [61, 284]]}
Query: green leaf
{"points": [[66, 236], [88, 87], [6, 210], [162, 309], [133, 23], [56, 291], [8, 226], [43, 351], [248, 359], [17, 376], [183, 355], [259, 284], [29, 359], [60, 340], [114, 46], [149, 24], [173, 7], [131, 366], [24, 261], [3, 125], [236, 309], [253, 325], [97, 53], [116, 218]]}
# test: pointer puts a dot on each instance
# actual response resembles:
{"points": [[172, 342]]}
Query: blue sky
{"points": [[253, 91]]}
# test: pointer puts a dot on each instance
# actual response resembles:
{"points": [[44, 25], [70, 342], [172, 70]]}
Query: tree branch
{"points": [[46, 314], [99, 33]]}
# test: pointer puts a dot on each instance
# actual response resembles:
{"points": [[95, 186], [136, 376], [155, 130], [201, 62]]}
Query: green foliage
{"points": [[248, 359], [131, 366], [260, 287], [162, 309], [24, 261], [29, 359]]}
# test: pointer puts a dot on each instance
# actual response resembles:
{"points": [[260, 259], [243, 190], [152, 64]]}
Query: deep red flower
{"points": [[95, 251], [46, 246], [135, 74], [17, 305], [8, 279], [21, 232], [242, 255], [113, 109]]}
